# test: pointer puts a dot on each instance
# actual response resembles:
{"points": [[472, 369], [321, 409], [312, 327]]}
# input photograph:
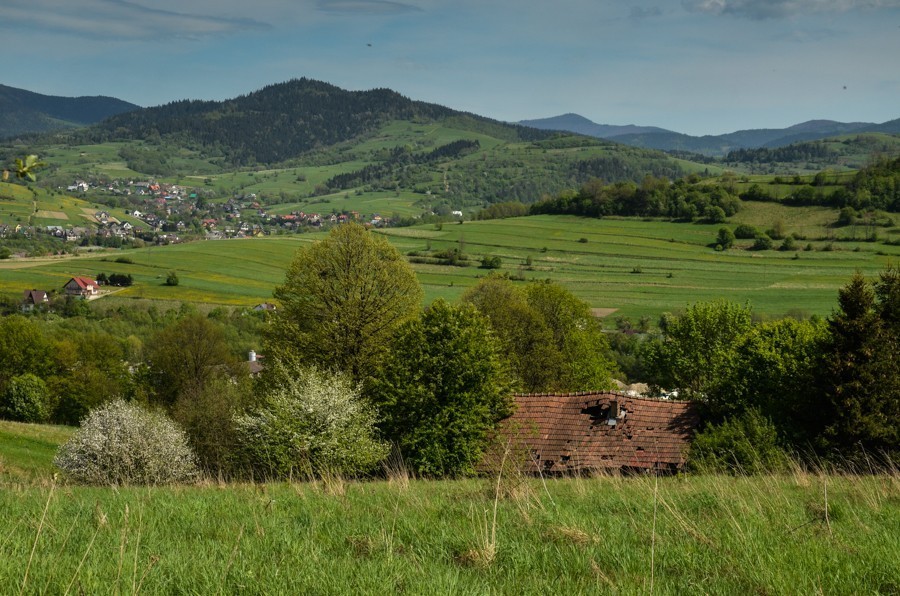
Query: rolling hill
{"points": [[285, 120], [26, 112], [313, 139], [651, 137], [581, 125]]}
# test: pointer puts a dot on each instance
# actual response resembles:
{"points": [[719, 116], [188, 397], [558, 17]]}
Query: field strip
{"points": [[44, 214]]}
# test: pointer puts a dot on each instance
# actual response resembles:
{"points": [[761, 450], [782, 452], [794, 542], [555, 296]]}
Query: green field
{"points": [[804, 532], [27, 450], [638, 267], [18, 204]]}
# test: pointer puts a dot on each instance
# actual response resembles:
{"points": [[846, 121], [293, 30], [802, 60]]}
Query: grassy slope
{"points": [[26, 450], [17, 206], [794, 533], [720, 535], [639, 267]]}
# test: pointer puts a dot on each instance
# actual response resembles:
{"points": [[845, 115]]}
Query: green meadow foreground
{"points": [[802, 532]]}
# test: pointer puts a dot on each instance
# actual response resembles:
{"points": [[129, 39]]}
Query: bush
{"points": [[744, 444], [725, 238], [715, 214], [26, 399], [745, 232], [788, 244], [121, 443], [310, 422], [762, 242], [172, 279], [491, 262]]}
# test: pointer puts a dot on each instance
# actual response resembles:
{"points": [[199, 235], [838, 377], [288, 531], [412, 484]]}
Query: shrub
{"points": [[491, 262], [725, 238], [745, 232], [121, 443], [309, 422], [744, 444], [26, 399], [762, 242], [172, 279], [788, 244], [715, 214]]}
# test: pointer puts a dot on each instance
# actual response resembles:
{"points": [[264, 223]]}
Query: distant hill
{"points": [[719, 145], [319, 142], [282, 121], [651, 137], [581, 125], [851, 151], [24, 112]]}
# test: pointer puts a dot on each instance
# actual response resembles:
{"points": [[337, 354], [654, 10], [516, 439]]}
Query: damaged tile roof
{"points": [[579, 432]]}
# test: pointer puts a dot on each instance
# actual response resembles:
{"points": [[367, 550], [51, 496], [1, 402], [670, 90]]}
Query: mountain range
{"points": [[282, 120], [651, 137], [25, 112]]}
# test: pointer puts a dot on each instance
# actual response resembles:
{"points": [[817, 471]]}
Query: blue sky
{"points": [[695, 66]]}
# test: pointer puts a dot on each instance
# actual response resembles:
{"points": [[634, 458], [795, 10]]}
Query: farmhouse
{"points": [[590, 432], [83, 287], [34, 298]]}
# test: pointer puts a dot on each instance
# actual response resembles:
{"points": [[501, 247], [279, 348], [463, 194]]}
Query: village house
{"points": [[79, 186], [82, 287], [34, 298], [583, 433]]}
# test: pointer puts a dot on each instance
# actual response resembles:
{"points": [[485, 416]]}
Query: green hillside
{"points": [[39, 207]]}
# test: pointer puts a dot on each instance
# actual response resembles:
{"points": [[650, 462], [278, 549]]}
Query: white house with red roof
{"points": [[83, 287]]}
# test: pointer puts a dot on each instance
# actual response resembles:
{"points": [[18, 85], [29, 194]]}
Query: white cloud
{"points": [[371, 7], [120, 19], [771, 9]]}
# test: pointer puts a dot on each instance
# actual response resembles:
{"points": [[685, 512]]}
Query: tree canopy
{"points": [[549, 336], [341, 301], [443, 389]]}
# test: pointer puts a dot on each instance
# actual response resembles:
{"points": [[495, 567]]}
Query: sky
{"points": [[693, 66]]}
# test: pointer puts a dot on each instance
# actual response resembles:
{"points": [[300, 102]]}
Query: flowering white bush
{"points": [[121, 443], [309, 422]]}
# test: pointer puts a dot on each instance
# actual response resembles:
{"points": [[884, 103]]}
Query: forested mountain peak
{"points": [[281, 121]]}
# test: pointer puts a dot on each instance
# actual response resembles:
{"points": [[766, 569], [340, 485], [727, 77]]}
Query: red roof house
{"points": [[85, 287], [590, 432]]}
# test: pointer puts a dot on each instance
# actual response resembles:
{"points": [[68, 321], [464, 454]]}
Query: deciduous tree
{"points": [[443, 389], [342, 300]]}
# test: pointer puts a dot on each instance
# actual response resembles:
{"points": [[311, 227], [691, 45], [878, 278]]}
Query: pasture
{"points": [[806, 531], [640, 268]]}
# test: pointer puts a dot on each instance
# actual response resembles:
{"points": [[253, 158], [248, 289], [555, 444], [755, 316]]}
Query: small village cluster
{"points": [[164, 213]]}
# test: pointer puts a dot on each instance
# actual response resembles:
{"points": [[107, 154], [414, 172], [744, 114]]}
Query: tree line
{"points": [[653, 197]]}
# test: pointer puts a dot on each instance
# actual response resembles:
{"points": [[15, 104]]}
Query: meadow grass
{"points": [[27, 450], [712, 534], [803, 531]]}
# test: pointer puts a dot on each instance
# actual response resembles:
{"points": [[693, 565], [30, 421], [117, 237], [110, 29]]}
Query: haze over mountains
{"points": [[24, 112], [651, 137]]}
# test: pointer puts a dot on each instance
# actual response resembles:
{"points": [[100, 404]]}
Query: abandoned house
{"points": [[578, 433]]}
